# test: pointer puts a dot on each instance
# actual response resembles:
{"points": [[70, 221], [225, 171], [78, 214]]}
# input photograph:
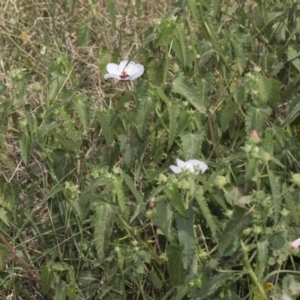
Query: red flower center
{"points": [[124, 74]]}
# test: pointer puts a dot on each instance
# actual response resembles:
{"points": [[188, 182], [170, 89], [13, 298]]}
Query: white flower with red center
{"points": [[124, 71], [193, 165]]}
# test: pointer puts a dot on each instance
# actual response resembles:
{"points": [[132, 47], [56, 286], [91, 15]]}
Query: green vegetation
{"points": [[89, 208]]}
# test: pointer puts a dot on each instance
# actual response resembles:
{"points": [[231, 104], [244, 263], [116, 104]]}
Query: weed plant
{"points": [[89, 207]]}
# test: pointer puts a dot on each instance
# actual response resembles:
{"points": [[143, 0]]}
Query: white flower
{"points": [[189, 165], [124, 71], [295, 244]]}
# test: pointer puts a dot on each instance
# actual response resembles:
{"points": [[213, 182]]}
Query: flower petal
{"points": [[295, 244], [176, 169], [130, 68], [138, 72], [180, 163], [201, 165], [123, 64], [116, 76], [112, 68]]}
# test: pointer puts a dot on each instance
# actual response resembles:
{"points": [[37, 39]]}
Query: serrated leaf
{"points": [[276, 195], [175, 268], [174, 111], [279, 240], [166, 31], [68, 144], [262, 247], [211, 286], [206, 213], [263, 85], [132, 187], [183, 87], [82, 107], [63, 163], [61, 291], [186, 239], [25, 146], [56, 84], [239, 42], [122, 200], [180, 44], [291, 206], [46, 278], [106, 129], [83, 35], [239, 220], [128, 145], [191, 144], [176, 199], [268, 143], [103, 225], [227, 114], [146, 106], [256, 118], [162, 217]]}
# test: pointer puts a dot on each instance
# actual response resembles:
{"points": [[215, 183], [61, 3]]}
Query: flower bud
{"points": [[254, 138], [296, 179], [220, 181]]}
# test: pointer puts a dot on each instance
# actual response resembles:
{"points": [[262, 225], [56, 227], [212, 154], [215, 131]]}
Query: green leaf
{"points": [[211, 286], [166, 31], [82, 106], [279, 240], [239, 43], [112, 12], [83, 34], [292, 110], [68, 144], [256, 118], [292, 205], [162, 217], [106, 129], [56, 84], [122, 200], [129, 144], [205, 210], [132, 187], [3, 216], [186, 239], [276, 195], [145, 108], [183, 87], [155, 280], [239, 220], [292, 53], [174, 111], [175, 267], [192, 144], [180, 45], [63, 163], [25, 146], [176, 200], [61, 291], [47, 278], [227, 114], [262, 258], [103, 225]]}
